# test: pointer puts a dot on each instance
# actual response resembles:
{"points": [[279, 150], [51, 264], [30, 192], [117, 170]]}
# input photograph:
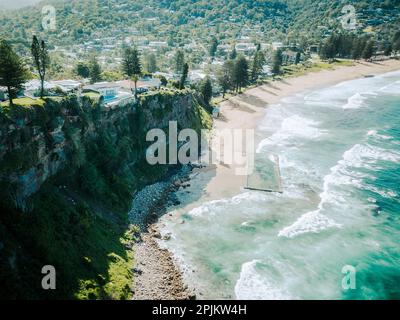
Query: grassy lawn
{"points": [[92, 95], [29, 102], [300, 69], [24, 102]]}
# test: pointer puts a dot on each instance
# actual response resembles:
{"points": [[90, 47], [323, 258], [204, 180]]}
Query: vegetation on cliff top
{"points": [[77, 221]]}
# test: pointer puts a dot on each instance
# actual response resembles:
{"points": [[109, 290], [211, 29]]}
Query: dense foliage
{"points": [[77, 221], [182, 20]]}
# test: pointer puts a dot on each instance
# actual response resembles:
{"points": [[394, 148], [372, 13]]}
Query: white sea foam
{"points": [[254, 286], [365, 155], [355, 101], [359, 156], [294, 126], [375, 134], [391, 88], [211, 207], [313, 222], [383, 193]]}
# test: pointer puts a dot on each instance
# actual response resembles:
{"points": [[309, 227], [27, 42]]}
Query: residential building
{"points": [[106, 89]]}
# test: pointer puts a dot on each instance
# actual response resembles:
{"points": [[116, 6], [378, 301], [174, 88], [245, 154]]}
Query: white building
{"points": [[158, 44], [106, 89], [196, 75], [67, 85], [32, 87], [245, 47], [277, 45]]}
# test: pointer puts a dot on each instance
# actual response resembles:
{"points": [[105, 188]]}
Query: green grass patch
{"points": [[303, 69], [24, 102], [92, 95]]}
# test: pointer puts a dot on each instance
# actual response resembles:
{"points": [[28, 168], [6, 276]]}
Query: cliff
{"points": [[68, 172]]}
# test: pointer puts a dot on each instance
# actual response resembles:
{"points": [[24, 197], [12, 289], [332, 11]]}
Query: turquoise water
{"points": [[339, 150]]}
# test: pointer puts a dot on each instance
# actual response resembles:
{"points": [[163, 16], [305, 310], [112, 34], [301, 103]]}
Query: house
{"points": [[277, 45], [290, 57], [67, 85], [106, 89], [149, 83], [143, 84], [113, 93], [196, 75], [32, 88], [224, 48], [158, 44], [245, 47]]}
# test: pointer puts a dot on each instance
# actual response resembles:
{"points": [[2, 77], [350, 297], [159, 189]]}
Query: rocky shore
{"points": [[156, 276]]}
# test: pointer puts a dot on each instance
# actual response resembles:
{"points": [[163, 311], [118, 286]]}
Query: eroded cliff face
{"points": [[68, 173], [37, 143]]}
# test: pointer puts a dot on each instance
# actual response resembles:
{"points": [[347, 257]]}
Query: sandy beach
{"points": [[212, 182], [244, 111]]}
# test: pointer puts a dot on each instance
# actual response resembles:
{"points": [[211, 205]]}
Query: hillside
{"points": [[183, 21]]}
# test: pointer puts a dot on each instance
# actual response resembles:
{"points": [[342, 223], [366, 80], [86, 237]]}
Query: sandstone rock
{"points": [[167, 236], [157, 235]]}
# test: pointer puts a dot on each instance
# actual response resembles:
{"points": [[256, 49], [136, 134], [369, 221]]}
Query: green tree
{"points": [[225, 76], [131, 65], [368, 51], [213, 47], [241, 73], [184, 75], [151, 63], [277, 62], [298, 58], [258, 64], [206, 90], [358, 48], [233, 53], [388, 49], [328, 49], [82, 70], [396, 42], [41, 60], [179, 61], [12, 71], [94, 70], [163, 80]]}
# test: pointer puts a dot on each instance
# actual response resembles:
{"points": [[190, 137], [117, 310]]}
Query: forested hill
{"points": [[180, 21]]}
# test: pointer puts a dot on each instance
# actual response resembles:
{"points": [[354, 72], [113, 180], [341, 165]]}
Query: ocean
{"points": [[339, 151]]}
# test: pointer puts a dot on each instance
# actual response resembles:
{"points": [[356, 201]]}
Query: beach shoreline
{"points": [[213, 182], [246, 110]]}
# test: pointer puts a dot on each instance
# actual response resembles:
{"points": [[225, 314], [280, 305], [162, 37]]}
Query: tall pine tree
{"points": [[12, 71], [41, 59], [94, 70], [131, 65], [241, 73]]}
